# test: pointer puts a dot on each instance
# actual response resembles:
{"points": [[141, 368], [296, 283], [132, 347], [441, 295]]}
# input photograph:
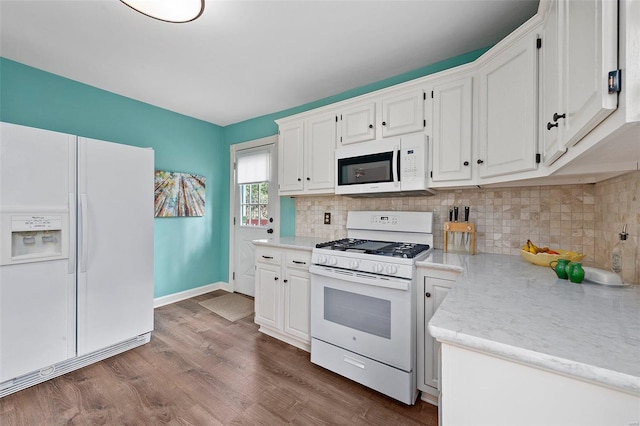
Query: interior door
{"points": [[115, 243], [256, 208]]}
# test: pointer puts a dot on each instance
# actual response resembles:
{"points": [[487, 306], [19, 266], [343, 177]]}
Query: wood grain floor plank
{"points": [[200, 369]]}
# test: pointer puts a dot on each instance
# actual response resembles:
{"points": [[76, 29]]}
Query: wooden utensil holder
{"points": [[463, 228]]}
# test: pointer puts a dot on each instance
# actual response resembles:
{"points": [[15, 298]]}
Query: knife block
{"points": [[462, 231]]}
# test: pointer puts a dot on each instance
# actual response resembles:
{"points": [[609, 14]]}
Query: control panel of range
{"points": [[402, 268]]}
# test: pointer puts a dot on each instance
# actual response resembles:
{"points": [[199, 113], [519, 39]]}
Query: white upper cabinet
{"points": [[403, 113], [383, 116], [319, 148], [358, 123], [550, 139], [508, 110], [290, 165], [579, 48], [451, 130], [306, 155]]}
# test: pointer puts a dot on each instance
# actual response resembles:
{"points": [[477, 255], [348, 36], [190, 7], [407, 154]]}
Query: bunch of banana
{"points": [[532, 248]]}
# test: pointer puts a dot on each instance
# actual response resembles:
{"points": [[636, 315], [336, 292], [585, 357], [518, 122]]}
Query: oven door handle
{"points": [[360, 278]]}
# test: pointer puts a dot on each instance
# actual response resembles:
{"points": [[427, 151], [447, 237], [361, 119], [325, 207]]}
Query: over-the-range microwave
{"points": [[377, 168]]}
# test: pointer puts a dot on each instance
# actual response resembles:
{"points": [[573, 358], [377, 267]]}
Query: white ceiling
{"points": [[243, 59]]}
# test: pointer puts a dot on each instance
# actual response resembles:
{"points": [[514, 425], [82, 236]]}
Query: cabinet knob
{"points": [[466, 163], [557, 116], [299, 179], [427, 294], [371, 126], [480, 161], [275, 279], [551, 126], [384, 123], [285, 281], [308, 178]]}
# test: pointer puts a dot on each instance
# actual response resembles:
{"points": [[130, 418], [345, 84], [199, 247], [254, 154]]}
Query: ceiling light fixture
{"points": [[177, 11]]}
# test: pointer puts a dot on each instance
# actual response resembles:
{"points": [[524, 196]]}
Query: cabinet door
{"points": [[296, 300], [435, 290], [358, 124], [508, 106], [550, 83], [290, 157], [590, 52], [403, 113], [319, 152], [268, 296], [452, 130]]}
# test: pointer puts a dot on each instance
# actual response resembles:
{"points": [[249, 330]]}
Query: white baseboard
{"points": [[176, 297]]}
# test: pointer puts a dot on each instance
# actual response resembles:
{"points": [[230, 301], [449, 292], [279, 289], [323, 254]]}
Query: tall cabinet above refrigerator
{"points": [[76, 252]]}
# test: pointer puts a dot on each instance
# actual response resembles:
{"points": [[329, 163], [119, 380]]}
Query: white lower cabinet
{"points": [[283, 287], [480, 389], [433, 286]]}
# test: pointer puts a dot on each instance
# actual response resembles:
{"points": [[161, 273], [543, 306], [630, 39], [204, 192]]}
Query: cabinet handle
{"points": [[466, 163], [557, 116], [384, 123], [267, 257], [427, 294], [371, 126], [480, 161], [551, 126], [299, 262]]}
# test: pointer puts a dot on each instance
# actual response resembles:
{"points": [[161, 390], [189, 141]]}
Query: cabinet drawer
{"points": [[298, 259], [395, 383], [268, 255]]}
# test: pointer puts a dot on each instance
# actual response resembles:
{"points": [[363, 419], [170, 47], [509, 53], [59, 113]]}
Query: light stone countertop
{"points": [[505, 306], [299, 243]]}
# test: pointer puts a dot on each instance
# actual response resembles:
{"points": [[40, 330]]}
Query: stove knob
{"points": [[378, 268], [333, 261], [353, 264], [322, 259], [392, 269]]}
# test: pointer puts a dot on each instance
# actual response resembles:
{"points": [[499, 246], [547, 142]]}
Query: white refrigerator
{"points": [[76, 252]]}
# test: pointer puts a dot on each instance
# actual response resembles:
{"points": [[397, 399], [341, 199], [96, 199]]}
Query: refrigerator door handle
{"points": [[84, 248], [72, 241]]}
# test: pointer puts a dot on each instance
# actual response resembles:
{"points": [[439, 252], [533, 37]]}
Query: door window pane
{"points": [[254, 204]]}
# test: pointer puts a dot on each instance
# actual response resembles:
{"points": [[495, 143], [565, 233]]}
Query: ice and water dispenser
{"points": [[33, 238]]}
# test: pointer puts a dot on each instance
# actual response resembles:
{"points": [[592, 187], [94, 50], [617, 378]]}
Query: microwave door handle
{"points": [[396, 167]]}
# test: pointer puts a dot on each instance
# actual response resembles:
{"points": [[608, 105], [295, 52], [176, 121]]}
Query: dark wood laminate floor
{"points": [[200, 369]]}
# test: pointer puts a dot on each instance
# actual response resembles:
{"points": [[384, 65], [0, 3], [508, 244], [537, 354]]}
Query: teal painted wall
{"points": [[187, 250]]}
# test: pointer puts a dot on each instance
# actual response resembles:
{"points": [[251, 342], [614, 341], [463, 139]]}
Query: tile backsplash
{"points": [[585, 218]]}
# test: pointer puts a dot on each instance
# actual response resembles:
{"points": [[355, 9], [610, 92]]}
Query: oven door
{"points": [[368, 170], [367, 314]]}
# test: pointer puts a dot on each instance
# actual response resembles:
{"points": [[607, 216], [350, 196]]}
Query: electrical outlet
{"points": [[327, 218]]}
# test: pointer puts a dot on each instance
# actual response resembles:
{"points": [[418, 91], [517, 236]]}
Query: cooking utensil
{"points": [[467, 237]]}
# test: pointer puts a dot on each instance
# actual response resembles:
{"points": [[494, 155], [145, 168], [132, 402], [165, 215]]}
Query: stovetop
{"points": [[374, 247]]}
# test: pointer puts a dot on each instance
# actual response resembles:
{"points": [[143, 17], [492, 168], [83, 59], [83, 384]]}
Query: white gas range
{"points": [[363, 300]]}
